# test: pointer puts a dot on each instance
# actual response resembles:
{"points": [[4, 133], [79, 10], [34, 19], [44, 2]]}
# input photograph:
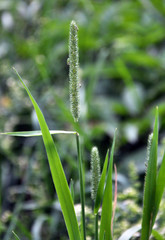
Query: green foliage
{"points": [[156, 235], [106, 216], [122, 67], [150, 184], [15, 235], [160, 186], [130, 232], [57, 172], [35, 133]]}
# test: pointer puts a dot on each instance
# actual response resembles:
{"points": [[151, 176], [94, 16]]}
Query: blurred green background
{"points": [[122, 71]]}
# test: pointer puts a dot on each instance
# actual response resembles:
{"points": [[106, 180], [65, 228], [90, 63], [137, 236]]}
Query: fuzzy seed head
{"points": [[73, 71], [150, 137], [95, 172]]}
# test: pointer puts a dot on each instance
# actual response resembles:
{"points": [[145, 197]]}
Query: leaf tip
{"points": [[157, 110], [14, 69]]}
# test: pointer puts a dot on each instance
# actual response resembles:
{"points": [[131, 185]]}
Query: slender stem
{"points": [[0, 188], [96, 226], [82, 194]]}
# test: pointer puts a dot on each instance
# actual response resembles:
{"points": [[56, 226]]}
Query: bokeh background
{"points": [[122, 72]]}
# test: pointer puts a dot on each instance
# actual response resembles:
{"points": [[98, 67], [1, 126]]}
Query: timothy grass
{"points": [[103, 197]]}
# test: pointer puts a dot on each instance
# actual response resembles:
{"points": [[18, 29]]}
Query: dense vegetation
{"points": [[122, 61]]}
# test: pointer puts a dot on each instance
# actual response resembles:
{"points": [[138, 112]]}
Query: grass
{"points": [[154, 180]]}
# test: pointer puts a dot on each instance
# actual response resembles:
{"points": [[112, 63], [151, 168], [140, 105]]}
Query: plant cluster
{"points": [[101, 184]]}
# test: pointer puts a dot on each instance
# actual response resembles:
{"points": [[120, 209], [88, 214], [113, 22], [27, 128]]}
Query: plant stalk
{"points": [[82, 195], [96, 226], [0, 188]]}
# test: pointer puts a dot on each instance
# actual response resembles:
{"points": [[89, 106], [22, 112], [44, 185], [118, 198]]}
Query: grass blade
{"points": [[157, 235], [150, 185], [107, 209], [130, 232], [14, 218], [100, 189], [16, 236], [160, 185], [57, 172], [35, 133]]}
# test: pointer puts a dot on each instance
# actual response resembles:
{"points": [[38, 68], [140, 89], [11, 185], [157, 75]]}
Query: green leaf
{"points": [[150, 185], [157, 235], [106, 216], [16, 236], [159, 5], [35, 133], [160, 185], [100, 189], [130, 232], [57, 172]]}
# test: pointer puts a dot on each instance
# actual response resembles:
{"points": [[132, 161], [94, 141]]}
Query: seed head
{"points": [[95, 172], [73, 71], [150, 137]]}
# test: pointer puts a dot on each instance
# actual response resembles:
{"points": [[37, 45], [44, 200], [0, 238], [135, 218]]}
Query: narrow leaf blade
{"points": [[57, 172], [130, 232], [35, 133], [150, 185], [160, 186], [16, 236], [107, 209], [157, 235]]}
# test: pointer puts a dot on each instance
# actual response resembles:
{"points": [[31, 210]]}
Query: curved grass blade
{"points": [[160, 185], [16, 236], [37, 227], [130, 232], [57, 172], [100, 189], [150, 185], [35, 133], [107, 209], [157, 235]]}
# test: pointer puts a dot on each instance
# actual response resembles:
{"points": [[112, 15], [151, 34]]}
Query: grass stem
{"points": [[82, 195], [0, 188], [96, 226]]}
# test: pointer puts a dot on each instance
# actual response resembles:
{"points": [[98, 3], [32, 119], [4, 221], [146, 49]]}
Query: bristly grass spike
{"points": [[95, 172], [150, 137], [74, 71]]}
